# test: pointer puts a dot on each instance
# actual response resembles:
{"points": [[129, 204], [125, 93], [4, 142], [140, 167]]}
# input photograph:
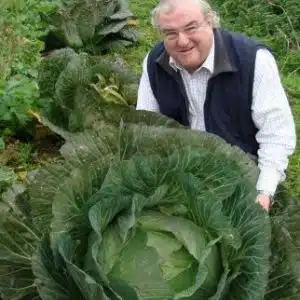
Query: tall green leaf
{"points": [[18, 241]]}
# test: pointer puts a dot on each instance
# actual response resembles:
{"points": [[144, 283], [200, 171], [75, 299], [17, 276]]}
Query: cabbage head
{"points": [[93, 26], [79, 90], [160, 214], [147, 212]]}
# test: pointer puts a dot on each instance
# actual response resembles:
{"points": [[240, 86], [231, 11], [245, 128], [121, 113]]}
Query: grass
{"points": [[292, 85], [149, 35], [7, 45]]}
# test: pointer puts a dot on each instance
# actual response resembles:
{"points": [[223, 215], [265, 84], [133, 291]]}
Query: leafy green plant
{"points": [[20, 29], [144, 211], [77, 88], [17, 97], [7, 178], [91, 26]]}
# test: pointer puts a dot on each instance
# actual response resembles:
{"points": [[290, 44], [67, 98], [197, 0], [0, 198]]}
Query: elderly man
{"points": [[221, 82]]}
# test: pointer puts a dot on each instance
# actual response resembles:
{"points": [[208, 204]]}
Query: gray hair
{"points": [[167, 6]]}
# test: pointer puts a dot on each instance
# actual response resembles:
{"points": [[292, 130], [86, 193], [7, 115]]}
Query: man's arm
{"points": [[146, 99], [273, 117]]}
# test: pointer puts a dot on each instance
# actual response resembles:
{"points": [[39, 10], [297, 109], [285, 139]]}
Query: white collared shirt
{"points": [[195, 85], [271, 112]]}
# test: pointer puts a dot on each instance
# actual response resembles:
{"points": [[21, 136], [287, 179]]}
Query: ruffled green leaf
{"points": [[53, 282], [112, 28], [74, 198], [88, 287]]}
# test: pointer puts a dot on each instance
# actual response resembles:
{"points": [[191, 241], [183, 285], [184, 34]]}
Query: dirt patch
{"points": [[20, 154]]}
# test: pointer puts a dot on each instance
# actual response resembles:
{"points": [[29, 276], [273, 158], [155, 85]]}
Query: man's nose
{"points": [[182, 39]]}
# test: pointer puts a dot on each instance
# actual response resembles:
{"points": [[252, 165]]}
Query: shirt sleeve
{"points": [[146, 100], [273, 117]]}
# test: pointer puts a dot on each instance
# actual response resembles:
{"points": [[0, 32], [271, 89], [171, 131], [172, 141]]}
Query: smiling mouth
{"points": [[187, 50]]}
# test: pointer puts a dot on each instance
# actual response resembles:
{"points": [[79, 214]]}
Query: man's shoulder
{"points": [[237, 36], [242, 38], [156, 50]]}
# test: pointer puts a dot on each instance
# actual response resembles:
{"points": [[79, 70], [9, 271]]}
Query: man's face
{"points": [[188, 35]]}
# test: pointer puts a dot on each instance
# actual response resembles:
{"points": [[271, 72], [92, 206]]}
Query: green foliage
{"points": [[292, 84], [17, 240], [17, 97], [148, 35], [7, 178], [91, 26], [275, 23], [285, 218], [20, 30], [76, 87]]}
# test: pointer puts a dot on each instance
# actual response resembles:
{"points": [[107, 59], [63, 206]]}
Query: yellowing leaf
{"points": [[22, 175], [34, 114], [132, 22]]}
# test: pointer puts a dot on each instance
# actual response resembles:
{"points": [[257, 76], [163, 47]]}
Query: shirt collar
{"points": [[207, 64]]}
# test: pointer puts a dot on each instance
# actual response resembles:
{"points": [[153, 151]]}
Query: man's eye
{"points": [[170, 34], [190, 29]]}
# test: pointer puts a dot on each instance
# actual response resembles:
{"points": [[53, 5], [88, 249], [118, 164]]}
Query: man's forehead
{"points": [[179, 17], [170, 27]]}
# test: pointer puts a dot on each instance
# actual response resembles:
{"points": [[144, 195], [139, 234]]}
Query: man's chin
{"points": [[190, 65]]}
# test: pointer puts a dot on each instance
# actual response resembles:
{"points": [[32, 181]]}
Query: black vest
{"points": [[227, 107]]}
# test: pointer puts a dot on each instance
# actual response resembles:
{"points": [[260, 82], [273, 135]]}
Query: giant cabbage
{"points": [[140, 212], [79, 90], [94, 26]]}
